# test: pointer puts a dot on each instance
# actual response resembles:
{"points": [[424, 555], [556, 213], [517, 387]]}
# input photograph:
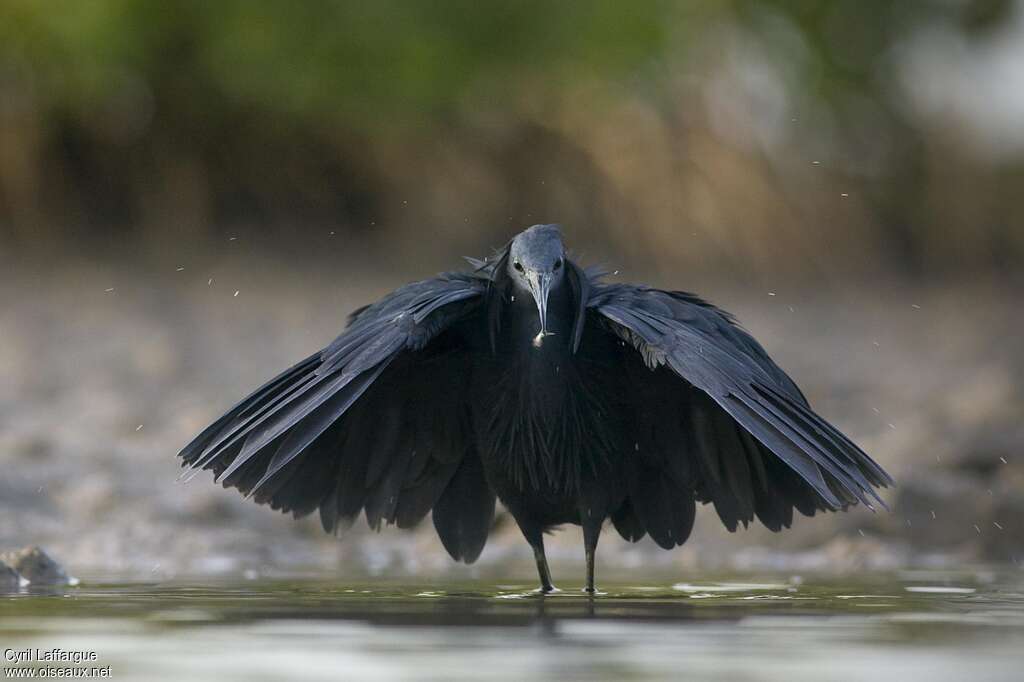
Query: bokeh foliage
{"points": [[144, 121]]}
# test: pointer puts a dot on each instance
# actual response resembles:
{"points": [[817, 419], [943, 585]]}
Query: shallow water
{"points": [[924, 625]]}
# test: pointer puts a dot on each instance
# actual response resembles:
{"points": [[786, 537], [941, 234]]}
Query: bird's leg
{"points": [[534, 534], [542, 566], [591, 532]]}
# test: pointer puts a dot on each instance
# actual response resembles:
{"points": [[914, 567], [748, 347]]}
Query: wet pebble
{"points": [[36, 566]]}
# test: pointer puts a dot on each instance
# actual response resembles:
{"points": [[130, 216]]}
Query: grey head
{"points": [[536, 265]]}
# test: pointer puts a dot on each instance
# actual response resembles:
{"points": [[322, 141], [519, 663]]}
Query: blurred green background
{"points": [[804, 136], [193, 195]]}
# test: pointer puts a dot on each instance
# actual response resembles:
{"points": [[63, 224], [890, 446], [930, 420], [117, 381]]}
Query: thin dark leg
{"points": [[534, 534], [591, 532], [542, 567]]}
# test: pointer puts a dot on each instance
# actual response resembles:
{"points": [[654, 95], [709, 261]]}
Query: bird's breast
{"points": [[540, 427], [541, 422]]}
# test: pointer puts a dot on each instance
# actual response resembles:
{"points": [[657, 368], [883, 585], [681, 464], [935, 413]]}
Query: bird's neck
{"points": [[522, 326], [531, 407]]}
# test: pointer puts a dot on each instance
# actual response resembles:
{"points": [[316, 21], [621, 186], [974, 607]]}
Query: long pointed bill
{"points": [[540, 287]]}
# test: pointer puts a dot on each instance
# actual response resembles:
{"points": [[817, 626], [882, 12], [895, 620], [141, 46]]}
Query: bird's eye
{"points": [[558, 264], [518, 266]]}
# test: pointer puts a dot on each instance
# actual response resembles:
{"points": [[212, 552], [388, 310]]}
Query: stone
{"points": [[10, 579], [36, 566]]}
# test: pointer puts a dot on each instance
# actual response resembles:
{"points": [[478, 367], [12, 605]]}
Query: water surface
{"points": [[925, 625]]}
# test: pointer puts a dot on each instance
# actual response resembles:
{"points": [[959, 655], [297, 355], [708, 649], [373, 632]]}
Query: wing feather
{"points": [[753, 415], [375, 421]]}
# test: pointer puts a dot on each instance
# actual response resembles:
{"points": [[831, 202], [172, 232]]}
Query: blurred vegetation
{"points": [[808, 136]]}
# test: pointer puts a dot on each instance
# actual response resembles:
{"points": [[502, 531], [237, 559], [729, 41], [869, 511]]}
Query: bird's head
{"points": [[536, 265]]}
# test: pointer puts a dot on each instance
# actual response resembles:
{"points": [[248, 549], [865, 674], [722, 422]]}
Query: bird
{"points": [[531, 380]]}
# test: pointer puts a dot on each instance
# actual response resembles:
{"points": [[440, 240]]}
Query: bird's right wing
{"points": [[702, 376], [376, 421]]}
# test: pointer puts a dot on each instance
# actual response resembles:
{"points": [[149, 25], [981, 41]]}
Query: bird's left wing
{"points": [[703, 346], [374, 421]]}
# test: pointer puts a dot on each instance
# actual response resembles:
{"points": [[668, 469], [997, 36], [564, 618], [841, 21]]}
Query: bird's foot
{"points": [[546, 589]]}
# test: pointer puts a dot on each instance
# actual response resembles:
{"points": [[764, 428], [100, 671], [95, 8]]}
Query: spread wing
{"points": [[718, 421], [376, 422]]}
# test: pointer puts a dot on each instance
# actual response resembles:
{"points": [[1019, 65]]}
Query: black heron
{"points": [[529, 380]]}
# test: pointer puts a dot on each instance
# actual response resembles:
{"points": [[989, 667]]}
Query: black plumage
{"points": [[529, 380]]}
